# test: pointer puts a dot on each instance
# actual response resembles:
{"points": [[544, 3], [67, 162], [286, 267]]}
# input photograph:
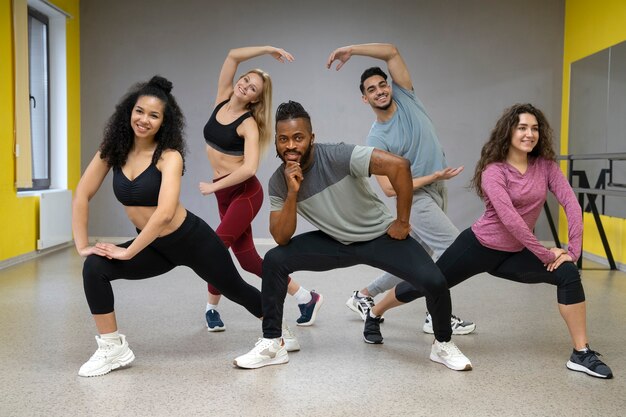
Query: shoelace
{"points": [[102, 352], [592, 355], [451, 348], [365, 302], [287, 333], [263, 344]]}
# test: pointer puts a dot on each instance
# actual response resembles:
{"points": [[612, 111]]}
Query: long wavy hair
{"points": [[497, 147], [262, 109], [119, 136]]}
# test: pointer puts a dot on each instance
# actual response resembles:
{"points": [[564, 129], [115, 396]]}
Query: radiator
{"points": [[55, 218]]}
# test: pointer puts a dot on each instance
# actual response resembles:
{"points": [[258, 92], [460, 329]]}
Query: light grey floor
{"points": [[518, 351]]}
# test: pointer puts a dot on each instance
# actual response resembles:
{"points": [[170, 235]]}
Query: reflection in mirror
{"points": [[597, 119]]}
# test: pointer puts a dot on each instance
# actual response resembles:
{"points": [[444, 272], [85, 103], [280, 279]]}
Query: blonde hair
{"points": [[262, 109]]}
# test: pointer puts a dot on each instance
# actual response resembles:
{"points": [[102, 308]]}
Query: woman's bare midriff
{"points": [[221, 163], [139, 216]]}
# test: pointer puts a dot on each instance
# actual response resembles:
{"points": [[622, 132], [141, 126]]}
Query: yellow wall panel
{"points": [[591, 26], [19, 215]]}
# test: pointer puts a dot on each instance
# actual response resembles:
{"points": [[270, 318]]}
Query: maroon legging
{"points": [[238, 205]]}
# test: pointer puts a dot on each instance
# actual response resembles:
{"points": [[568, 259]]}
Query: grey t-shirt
{"points": [[409, 133], [335, 195]]}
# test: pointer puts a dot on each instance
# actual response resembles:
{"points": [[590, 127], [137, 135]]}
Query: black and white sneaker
{"points": [[459, 326], [587, 361], [371, 330], [361, 305]]}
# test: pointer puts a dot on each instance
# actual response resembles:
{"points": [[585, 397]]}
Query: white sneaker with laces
{"points": [[291, 343], [459, 326], [360, 305], [265, 352], [108, 357], [450, 355]]}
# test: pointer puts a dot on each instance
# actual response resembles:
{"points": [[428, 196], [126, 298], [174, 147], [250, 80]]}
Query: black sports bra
{"points": [[224, 138], [142, 191]]}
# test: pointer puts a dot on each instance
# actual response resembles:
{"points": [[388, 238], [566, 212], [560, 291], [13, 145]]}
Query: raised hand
{"points": [[293, 176], [342, 55], [281, 55]]}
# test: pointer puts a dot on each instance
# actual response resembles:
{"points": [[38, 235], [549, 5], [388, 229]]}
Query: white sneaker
{"points": [[265, 352], [459, 326], [360, 305], [108, 357], [291, 343], [450, 355]]}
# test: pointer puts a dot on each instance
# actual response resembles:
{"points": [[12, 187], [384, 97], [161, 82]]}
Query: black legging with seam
{"points": [[193, 244], [467, 257], [317, 251]]}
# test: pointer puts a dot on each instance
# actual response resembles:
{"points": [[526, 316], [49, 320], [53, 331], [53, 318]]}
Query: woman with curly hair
{"points": [[143, 144], [237, 133], [517, 168]]}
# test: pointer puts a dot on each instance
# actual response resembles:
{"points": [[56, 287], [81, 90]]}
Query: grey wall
{"points": [[469, 60]]}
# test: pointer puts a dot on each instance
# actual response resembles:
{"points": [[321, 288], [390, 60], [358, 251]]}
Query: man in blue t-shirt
{"points": [[327, 185], [402, 127]]}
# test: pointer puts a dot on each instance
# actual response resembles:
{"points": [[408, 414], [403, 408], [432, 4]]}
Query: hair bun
{"points": [[162, 83]]}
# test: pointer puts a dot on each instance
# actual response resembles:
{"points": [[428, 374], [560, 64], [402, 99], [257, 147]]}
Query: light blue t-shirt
{"points": [[335, 195], [409, 133]]}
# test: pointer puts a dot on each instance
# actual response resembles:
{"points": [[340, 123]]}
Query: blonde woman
{"points": [[236, 134]]}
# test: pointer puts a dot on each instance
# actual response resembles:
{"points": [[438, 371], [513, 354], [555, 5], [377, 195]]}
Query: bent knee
{"points": [[569, 285]]}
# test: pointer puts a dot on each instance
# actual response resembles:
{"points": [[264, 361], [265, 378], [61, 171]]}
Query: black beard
{"points": [[303, 159]]}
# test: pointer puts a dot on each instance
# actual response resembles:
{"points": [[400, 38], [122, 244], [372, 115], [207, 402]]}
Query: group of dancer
{"points": [[327, 185]]}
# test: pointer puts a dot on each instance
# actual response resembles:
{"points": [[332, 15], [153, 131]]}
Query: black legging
{"points": [[317, 251], [193, 244], [467, 257]]}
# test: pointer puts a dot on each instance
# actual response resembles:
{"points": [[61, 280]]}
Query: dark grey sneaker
{"points": [[371, 331], [587, 361]]}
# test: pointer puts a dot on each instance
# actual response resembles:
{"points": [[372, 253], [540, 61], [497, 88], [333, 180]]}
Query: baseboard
{"points": [[34, 254], [602, 261]]}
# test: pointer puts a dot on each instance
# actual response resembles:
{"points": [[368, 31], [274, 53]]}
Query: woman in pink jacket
{"points": [[517, 168]]}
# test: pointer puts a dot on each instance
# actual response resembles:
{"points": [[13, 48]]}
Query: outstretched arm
{"points": [[419, 182], [171, 167], [251, 155], [87, 187], [384, 51], [397, 170], [239, 55]]}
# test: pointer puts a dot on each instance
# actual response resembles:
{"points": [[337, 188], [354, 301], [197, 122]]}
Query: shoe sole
{"points": [[579, 368], [318, 305], [276, 361], [372, 342], [292, 346], [435, 358], [351, 306], [457, 332], [120, 363], [215, 329]]}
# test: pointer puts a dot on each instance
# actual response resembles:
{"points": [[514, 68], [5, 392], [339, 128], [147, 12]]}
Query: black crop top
{"points": [[142, 191], [224, 138]]}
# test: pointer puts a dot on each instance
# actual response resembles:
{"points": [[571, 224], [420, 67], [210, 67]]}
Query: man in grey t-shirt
{"points": [[402, 127], [327, 185]]}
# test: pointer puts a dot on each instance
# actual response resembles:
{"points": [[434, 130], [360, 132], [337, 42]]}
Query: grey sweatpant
{"points": [[429, 226]]}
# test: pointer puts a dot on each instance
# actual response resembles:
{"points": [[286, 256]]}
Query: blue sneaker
{"points": [[213, 321], [308, 311]]}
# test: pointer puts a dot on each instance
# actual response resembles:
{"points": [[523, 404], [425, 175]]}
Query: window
{"points": [[39, 98], [41, 129]]}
